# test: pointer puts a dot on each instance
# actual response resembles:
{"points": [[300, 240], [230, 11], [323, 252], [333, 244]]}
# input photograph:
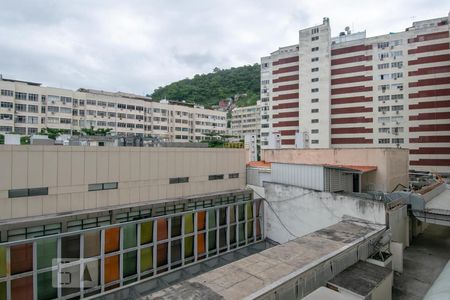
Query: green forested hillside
{"points": [[209, 89]]}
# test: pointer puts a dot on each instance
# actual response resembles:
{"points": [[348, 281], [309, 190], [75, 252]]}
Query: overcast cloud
{"points": [[136, 45]]}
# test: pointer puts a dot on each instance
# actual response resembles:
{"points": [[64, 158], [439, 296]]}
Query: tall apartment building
{"points": [[355, 91], [246, 120], [27, 107]]}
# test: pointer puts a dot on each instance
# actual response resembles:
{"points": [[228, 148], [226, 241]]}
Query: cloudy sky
{"points": [[138, 45]]}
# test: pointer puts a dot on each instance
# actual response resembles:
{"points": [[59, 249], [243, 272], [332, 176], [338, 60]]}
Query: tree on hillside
{"points": [[209, 89]]}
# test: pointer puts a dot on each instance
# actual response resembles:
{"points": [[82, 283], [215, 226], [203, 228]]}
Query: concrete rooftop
{"points": [[441, 201], [265, 270]]}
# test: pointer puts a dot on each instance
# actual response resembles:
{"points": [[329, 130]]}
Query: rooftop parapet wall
{"points": [[392, 164]]}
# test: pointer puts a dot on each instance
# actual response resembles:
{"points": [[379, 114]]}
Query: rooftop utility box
{"points": [[365, 281]]}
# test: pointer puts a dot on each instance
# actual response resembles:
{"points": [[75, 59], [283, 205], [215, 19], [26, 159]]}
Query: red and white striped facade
{"points": [[351, 91]]}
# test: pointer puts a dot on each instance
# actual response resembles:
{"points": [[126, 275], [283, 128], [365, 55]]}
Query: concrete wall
{"points": [[303, 211], [392, 164], [142, 175]]}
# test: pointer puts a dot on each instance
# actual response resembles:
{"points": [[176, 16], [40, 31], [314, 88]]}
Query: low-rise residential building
{"points": [[246, 121], [26, 108]]}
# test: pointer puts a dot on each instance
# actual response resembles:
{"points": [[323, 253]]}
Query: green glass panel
{"points": [[176, 226], [129, 263], [212, 218], [70, 247], [146, 232], [175, 253], [250, 229], [249, 207], [188, 223], [241, 232], [223, 216], [232, 234], [46, 252], [2, 261], [212, 240], [129, 236], [146, 259], [222, 237], [2, 290], [44, 286], [241, 212], [189, 246]]}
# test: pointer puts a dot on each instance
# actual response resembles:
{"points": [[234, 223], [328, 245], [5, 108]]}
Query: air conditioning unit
{"points": [[397, 123], [397, 112], [383, 123], [396, 100], [384, 112], [384, 101]]}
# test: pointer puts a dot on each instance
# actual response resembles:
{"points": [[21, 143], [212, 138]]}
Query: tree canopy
{"points": [[209, 89]]}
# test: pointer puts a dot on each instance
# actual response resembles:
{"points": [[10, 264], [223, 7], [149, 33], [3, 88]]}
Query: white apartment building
{"points": [[27, 107], [353, 91], [246, 121]]}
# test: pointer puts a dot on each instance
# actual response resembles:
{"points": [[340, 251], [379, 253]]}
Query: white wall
{"points": [[303, 211]]}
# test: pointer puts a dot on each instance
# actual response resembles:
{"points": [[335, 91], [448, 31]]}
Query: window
{"points": [[102, 186], [66, 99], [66, 110], [314, 100], [314, 131], [384, 120], [20, 107], [53, 98], [53, 109], [396, 75], [91, 102], [314, 59], [33, 120], [397, 64], [33, 108], [314, 90], [383, 45], [398, 141], [384, 130], [314, 38], [315, 110], [6, 104], [383, 66], [314, 141], [101, 103], [65, 121], [111, 104], [176, 180], [16, 193], [21, 96], [315, 30], [384, 55], [384, 98], [395, 54], [315, 121], [33, 97], [314, 69], [314, 49], [215, 177], [397, 107], [7, 93], [233, 175], [6, 117], [314, 79], [383, 141], [397, 97], [383, 108], [131, 107]]}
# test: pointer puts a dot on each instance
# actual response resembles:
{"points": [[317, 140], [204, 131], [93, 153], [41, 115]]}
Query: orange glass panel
{"points": [[201, 243], [22, 288], [112, 239], [201, 217], [161, 255], [162, 229], [21, 258], [111, 268]]}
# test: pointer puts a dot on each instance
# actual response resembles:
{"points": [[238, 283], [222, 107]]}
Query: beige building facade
{"points": [[50, 180], [26, 108], [246, 121]]}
